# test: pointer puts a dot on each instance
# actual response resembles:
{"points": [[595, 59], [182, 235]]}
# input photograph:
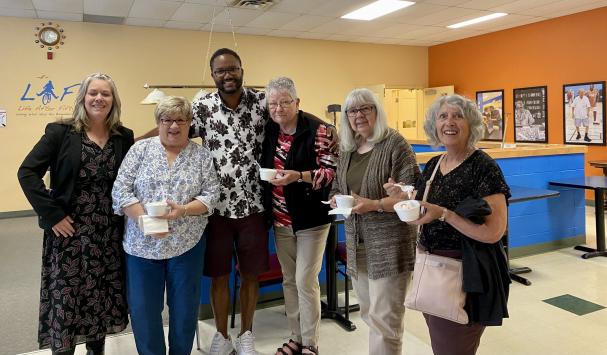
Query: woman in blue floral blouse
{"points": [[167, 168]]}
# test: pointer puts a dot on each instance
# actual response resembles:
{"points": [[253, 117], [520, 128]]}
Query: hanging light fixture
{"points": [[153, 98]]}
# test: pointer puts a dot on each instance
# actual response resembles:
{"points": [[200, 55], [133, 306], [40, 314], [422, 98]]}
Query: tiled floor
{"points": [[534, 327]]}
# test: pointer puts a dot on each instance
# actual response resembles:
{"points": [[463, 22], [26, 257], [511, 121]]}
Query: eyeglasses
{"points": [[365, 110], [282, 104], [169, 122], [224, 71]]}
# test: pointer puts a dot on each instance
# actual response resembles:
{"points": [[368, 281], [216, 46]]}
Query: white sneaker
{"points": [[221, 345], [244, 344]]}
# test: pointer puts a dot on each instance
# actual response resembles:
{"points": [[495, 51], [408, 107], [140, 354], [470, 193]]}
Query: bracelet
{"points": [[185, 210], [300, 177], [380, 207]]}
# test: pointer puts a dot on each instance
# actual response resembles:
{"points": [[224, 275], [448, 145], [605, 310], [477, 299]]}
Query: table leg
{"points": [[330, 309], [599, 209]]}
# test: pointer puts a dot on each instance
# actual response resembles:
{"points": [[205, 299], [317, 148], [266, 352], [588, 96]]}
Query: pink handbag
{"points": [[436, 287]]}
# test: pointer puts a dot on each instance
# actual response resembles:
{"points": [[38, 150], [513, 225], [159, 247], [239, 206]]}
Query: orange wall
{"points": [[568, 49]]}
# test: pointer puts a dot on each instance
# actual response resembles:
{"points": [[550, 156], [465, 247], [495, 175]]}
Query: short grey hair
{"points": [[467, 108], [355, 98], [282, 84], [170, 105]]}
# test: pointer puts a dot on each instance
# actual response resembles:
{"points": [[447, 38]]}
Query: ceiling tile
{"points": [[561, 7], [59, 16], [219, 3], [342, 38], [311, 35], [16, 4], [520, 6], [439, 18], [423, 31], [396, 30], [296, 6], [338, 26], [412, 13], [119, 8], [446, 2], [183, 25], [219, 27], [283, 33], [146, 22], [195, 13], [272, 20], [306, 22], [72, 6], [157, 9], [484, 4], [17, 12], [579, 8], [256, 31], [239, 17], [451, 35], [337, 8]]}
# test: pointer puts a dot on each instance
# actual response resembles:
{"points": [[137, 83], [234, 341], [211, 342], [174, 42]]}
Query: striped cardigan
{"points": [[389, 243]]}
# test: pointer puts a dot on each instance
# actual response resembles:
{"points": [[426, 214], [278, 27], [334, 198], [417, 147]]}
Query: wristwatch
{"points": [[443, 216], [380, 208], [300, 177]]}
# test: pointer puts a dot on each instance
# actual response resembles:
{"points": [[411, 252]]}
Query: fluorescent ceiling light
{"points": [[377, 9], [478, 19]]}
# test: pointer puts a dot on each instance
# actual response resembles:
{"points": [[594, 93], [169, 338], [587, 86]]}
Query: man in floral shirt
{"points": [[231, 123]]}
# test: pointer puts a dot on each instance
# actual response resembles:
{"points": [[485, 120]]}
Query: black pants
{"points": [[94, 347]]}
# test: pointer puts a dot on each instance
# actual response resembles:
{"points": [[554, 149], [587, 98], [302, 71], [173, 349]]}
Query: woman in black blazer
{"points": [[82, 295]]}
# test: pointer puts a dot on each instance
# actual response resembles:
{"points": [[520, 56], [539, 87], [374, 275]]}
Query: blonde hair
{"points": [[80, 120]]}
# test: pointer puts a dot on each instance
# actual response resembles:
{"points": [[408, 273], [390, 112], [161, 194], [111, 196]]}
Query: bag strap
{"points": [[427, 190]]}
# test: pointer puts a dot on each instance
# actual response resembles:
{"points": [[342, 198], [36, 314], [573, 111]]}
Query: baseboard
{"points": [[546, 247], [17, 214]]}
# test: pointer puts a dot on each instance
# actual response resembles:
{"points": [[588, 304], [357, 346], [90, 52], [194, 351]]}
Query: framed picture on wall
{"points": [[530, 114], [491, 105], [584, 113]]}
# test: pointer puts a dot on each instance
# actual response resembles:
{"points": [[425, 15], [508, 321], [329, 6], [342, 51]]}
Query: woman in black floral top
{"points": [[464, 172], [83, 295]]}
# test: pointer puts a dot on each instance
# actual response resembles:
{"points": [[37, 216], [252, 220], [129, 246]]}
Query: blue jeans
{"points": [[146, 281]]}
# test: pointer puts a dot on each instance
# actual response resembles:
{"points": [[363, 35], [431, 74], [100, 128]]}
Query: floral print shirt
{"points": [[145, 176], [234, 138]]}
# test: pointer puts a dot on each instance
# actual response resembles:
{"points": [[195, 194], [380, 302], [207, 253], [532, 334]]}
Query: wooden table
{"points": [[599, 185]]}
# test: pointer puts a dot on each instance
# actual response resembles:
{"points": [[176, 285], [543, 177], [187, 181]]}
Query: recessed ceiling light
{"points": [[478, 19], [377, 9]]}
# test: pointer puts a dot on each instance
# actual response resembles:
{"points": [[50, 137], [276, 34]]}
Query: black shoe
{"points": [[578, 136], [596, 123], [587, 139]]}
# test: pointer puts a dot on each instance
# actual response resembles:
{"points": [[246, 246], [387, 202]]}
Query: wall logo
{"points": [[42, 97]]}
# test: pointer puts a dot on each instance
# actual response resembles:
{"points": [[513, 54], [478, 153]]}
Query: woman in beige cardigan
{"points": [[380, 248]]}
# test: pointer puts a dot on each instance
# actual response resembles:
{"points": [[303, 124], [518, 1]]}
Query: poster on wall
{"points": [[530, 114], [491, 105], [2, 118], [584, 113]]}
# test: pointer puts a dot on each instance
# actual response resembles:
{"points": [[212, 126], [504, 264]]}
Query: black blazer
{"points": [[59, 149]]}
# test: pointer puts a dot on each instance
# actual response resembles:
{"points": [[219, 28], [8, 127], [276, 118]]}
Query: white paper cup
{"points": [[156, 208], [344, 201], [267, 174], [408, 210]]}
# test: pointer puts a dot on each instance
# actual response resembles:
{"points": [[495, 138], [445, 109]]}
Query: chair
{"points": [[271, 277], [341, 257]]}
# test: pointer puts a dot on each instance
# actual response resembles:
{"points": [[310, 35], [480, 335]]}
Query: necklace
{"points": [[448, 170]]}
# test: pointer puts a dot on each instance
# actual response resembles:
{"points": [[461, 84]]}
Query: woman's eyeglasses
{"points": [[169, 122], [282, 104], [365, 110]]}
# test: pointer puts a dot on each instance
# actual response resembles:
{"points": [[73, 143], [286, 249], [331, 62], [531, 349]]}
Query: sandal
{"points": [[311, 350], [288, 348]]}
